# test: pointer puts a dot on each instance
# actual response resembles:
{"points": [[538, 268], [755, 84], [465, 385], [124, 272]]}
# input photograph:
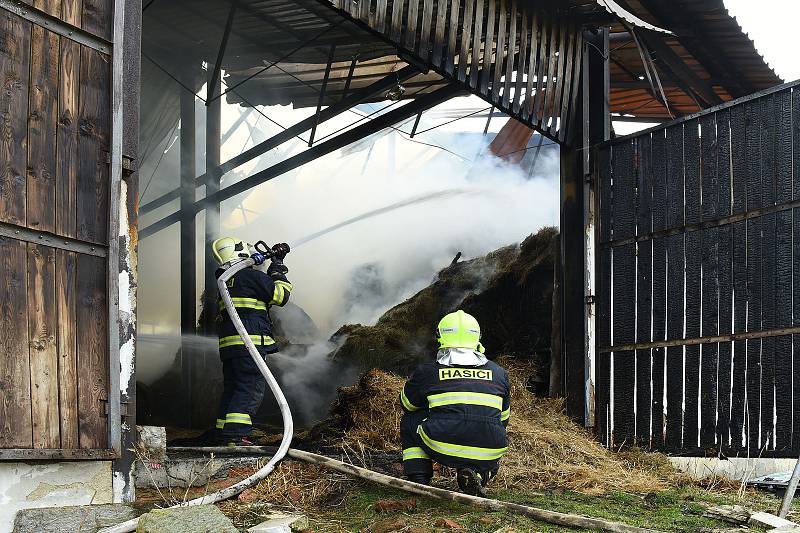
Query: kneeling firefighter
{"points": [[456, 409], [253, 293]]}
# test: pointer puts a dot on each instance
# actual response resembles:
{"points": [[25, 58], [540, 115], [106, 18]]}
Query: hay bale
{"points": [[546, 449]]}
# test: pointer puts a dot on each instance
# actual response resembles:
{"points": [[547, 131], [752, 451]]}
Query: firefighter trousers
{"points": [[243, 390], [418, 458]]}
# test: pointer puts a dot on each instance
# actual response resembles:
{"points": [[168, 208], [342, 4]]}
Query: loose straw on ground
{"points": [[552, 517]]}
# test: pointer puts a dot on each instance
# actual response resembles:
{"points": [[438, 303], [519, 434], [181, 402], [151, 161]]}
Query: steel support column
{"points": [[188, 266], [213, 156], [578, 231]]}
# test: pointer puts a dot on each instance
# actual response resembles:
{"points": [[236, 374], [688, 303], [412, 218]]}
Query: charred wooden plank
{"points": [[67, 347], [603, 388], [16, 428], [412, 20], [92, 322], [724, 278], [511, 55], [501, 54], [67, 139], [381, 8], [541, 69], [691, 387], [94, 125], [477, 42], [659, 296], [425, 47], [710, 281], [488, 49], [526, 110], [567, 75], [768, 266], [547, 111], [522, 56], [42, 320], [466, 39], [42, 107], [15, 43], [439, 33], [675, 287], [572, 110], [796, 271], [644, 267], [396, 24], [560, 71]]}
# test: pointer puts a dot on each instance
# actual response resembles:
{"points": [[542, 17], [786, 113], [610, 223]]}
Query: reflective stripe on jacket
{"points": [[252, 292]]}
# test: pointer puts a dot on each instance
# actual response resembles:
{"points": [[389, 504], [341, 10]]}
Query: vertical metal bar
{"points": [[113, 265], [488, 120], [322, 94], [349, 76], [223, 45], [188, 270], [416, 123], [212, 228]]}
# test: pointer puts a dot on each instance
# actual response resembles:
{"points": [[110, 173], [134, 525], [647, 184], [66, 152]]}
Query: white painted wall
{"points": [[25, 486]]}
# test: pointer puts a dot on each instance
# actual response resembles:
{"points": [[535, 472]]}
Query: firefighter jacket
{"points": [[253, 292], [467, 410]]}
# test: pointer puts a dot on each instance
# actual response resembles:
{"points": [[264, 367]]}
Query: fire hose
{"points": [[263, 252]]}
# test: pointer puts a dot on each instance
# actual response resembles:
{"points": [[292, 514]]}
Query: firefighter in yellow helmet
{"points": [[253, 293], [456, 409]]}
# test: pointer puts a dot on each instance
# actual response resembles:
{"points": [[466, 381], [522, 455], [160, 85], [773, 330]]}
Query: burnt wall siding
{"points": [[708, 276]]}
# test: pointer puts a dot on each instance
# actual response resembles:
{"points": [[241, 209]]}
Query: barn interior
{"points": [[277, 120]]}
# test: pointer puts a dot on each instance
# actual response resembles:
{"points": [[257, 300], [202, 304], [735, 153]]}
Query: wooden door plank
{"points": [[439, 34], [15, 393], [522, 57], [51, 7], [92, 352], [67, 347], [452, 37], [42, 321], [466, 39], [725, 277], [783, 272], [691, 147], [508, 83], [67, 139], [659, 291], [71, 12], [500, 54], [624, 292], [605, 226], [15, 43], [489, 48], [644, 265], [42, 107], [96, 17], [710, 249], [477, 41], [560, 72], [425, 35], [675, 288], [93, 176]]}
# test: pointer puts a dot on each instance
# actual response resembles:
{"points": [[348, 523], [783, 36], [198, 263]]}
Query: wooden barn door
{"points": [[54, 228], [699, 283]]}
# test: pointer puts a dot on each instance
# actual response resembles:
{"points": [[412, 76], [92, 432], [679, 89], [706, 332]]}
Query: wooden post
{"points": [[577, 230], [188, 271]]}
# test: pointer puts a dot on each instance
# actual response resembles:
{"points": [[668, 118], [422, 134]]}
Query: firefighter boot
{"points": [[470, 482]]}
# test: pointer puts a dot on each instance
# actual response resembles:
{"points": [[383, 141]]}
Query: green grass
{"points": [[673, 510]]}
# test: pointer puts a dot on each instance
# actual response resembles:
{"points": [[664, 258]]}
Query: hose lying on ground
{"points": [[551, 517], [286, 414]]}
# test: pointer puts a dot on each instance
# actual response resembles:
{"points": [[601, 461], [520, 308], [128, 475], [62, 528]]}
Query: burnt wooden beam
{"points": [[322, 94], [223, 45]]}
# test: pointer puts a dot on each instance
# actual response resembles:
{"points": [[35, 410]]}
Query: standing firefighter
{"points": [[253, 292], [456, 409]]}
